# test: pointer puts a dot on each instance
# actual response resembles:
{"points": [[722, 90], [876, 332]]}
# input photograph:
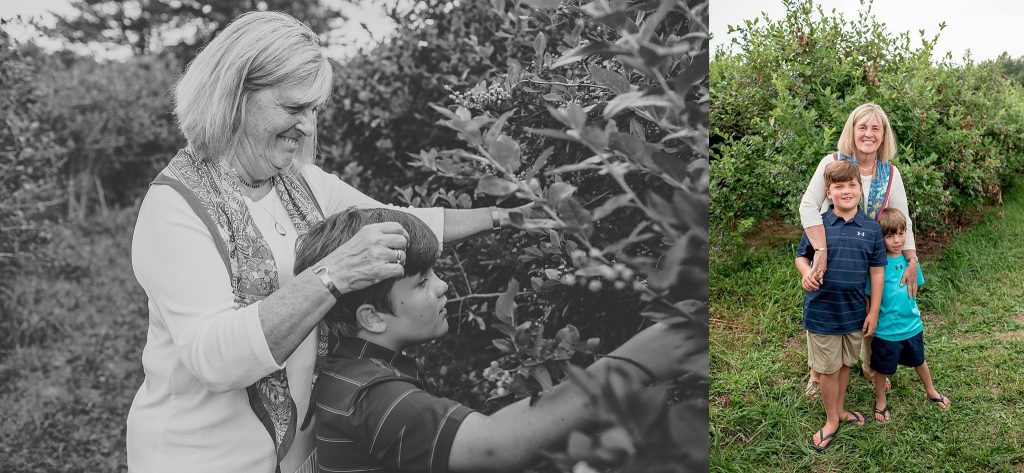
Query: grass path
{"points": [[973, 304], [68, 380]]}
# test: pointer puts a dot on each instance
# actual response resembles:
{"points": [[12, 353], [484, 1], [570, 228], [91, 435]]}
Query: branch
{"points": [[483, 296], [595, 86]]}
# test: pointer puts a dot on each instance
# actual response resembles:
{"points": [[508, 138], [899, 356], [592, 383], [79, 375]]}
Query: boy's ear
{"points": [[370, 319]]}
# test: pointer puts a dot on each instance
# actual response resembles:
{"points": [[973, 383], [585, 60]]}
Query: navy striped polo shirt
{"points": [[839, 306]]}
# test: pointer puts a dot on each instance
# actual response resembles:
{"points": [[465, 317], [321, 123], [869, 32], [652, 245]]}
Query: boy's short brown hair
{"points": [[892, 221], [324, 237], [841, 171]]}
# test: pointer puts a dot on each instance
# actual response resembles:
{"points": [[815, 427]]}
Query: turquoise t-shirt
{"points": [[898, 317]]}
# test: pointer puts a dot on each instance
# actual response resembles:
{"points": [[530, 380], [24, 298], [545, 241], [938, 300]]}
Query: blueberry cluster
{"points": [[493, 96], [500, 377]]}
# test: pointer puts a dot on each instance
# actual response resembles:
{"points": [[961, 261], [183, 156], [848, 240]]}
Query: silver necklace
{"points": [[277, 225]]}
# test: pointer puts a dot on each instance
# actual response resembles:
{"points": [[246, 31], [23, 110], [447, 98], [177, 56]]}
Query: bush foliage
{"points": [[782, 95], [596, 115]]}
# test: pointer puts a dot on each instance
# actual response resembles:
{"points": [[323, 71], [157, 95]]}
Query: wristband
{"points": [[322, 273], [914, 259], [820, 249], [495, 218]]}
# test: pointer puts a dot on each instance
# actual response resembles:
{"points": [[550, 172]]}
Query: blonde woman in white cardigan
{"points": [[868, 141]]}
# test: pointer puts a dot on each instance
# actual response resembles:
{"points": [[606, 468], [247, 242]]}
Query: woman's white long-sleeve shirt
{"points": [[814, 202], [192, 411]]}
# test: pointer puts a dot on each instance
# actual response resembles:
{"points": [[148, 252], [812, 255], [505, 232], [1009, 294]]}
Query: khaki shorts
{"points": [[865, 351], [827, 353]]}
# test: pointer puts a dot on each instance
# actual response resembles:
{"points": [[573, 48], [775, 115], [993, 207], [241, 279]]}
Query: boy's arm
{"points": [[514, 437], [877, 275]]}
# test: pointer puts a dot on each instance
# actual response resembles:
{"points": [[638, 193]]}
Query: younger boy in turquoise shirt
{"points": [[899, 336]]}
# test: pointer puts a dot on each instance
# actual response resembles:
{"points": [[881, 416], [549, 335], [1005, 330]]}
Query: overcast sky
{"points": [[342, 42], [986, 27]]}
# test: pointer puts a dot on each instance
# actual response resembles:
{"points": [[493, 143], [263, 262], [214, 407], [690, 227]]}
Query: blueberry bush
{"points": [[594, 120], [784, 90]]}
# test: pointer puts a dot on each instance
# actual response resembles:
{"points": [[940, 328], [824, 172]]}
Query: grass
{"points": [[70, 366], [973, 304]]}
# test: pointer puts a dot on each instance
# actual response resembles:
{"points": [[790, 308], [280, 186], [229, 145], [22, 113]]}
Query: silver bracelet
{"points": [[323, 273]]}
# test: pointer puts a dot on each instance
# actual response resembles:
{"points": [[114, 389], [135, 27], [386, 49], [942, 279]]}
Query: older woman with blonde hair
{"points": [[868, 141], [232, 343]]}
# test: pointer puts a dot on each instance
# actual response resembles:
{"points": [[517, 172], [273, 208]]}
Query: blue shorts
{"points": [[885, 355]]}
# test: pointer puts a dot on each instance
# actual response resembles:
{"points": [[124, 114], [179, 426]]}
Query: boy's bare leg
{"points": [[844, 382], [881, 404], [865, 362], [929, 388], [833, 405]]}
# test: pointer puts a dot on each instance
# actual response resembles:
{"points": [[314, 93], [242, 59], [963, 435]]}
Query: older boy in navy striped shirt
{"points": [[372, 413], [836, 312]]}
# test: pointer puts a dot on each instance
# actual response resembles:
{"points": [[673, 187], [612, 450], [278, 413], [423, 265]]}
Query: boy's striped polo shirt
{"points": [[372, 415], [839, 306]]}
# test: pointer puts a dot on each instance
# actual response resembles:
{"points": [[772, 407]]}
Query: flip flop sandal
{"points": [[813, 389], [884, 412], [940, 400], [858, 419], [821, 433]]}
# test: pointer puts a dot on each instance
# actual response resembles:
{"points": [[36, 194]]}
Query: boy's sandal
{"points": [[824, 438], [943, 401], [884, 412], [858, 419], [813, 389]]}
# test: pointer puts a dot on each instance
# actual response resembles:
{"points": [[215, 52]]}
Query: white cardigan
{"points": [[814, 203], [192, 412]]}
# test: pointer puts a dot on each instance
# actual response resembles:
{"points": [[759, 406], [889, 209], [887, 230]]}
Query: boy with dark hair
{"points": [[371, 412], [899, 338], [836, 314]]}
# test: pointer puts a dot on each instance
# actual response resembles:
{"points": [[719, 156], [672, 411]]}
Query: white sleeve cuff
{"points": [[257, 339]]}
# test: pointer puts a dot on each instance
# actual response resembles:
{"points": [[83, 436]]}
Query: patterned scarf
{"points": [[877, 198], [214, 195]]}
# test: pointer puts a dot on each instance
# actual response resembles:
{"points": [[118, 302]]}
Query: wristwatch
{"points": [[495, 218]]}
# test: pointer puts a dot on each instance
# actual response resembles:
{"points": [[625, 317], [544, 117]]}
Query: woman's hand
{"points": [[818, 268], [910, 278], [373, 254]]}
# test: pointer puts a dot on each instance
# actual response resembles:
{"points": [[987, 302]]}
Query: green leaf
{"points": [[610, 205], [539, 163], [541, 374], [575, 215], [506, 152], [504, 345], [578, 53], [633, 99], [631, 146], [495, 130], [543, 4], [568, 337], [540, 42], [550, 133], [558, 191], [695, 73], [505, 306], [496, 186], [608, 78]]}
